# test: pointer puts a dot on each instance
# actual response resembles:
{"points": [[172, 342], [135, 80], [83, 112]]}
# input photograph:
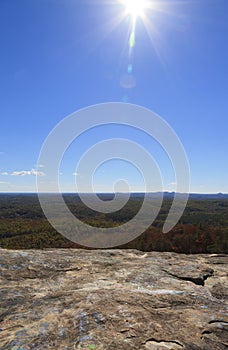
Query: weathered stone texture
{"points": [[112, 299]]}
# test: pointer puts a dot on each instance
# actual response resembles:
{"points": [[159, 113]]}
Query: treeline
{"points": [[203, 227], [184, 238]]}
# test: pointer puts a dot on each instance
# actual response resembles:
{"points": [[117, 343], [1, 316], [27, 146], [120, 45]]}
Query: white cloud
{"points": [[4, 183], [33, 172], [75, 174], [40, 166]]}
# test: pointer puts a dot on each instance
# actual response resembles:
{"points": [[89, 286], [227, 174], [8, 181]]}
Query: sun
{"points": [[135, 8]]}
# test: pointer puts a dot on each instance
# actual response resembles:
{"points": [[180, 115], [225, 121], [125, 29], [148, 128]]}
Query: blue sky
{"points": [[58, 56]]}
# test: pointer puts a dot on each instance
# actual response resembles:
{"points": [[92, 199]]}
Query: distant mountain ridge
{"points": [[110, 195]]}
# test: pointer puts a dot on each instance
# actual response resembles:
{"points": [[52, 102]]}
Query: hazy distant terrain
{"points": [[202, 229]]}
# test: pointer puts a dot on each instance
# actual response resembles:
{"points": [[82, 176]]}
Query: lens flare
{"points": [[132, 40], [134, 12]]}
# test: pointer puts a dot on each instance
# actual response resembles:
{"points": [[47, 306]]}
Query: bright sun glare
{"points": [[135, 8]]}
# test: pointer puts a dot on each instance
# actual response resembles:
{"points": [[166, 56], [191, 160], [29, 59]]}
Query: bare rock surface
{"points": [[112, 299]]}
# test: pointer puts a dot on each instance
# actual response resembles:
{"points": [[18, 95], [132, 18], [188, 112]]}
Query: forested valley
{"points": [[203, 228]]}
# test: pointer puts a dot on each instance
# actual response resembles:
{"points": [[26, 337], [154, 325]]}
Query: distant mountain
{"points": [[136, 195]]}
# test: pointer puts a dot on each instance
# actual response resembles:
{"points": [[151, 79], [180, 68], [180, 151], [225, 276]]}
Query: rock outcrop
{"points": [[112, 299]]}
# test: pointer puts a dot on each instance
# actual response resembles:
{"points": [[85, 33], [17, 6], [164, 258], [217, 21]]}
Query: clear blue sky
{"points": [[58, 56]]}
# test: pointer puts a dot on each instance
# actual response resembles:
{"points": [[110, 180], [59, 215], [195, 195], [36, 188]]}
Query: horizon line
{"points": [[113, 193]]}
